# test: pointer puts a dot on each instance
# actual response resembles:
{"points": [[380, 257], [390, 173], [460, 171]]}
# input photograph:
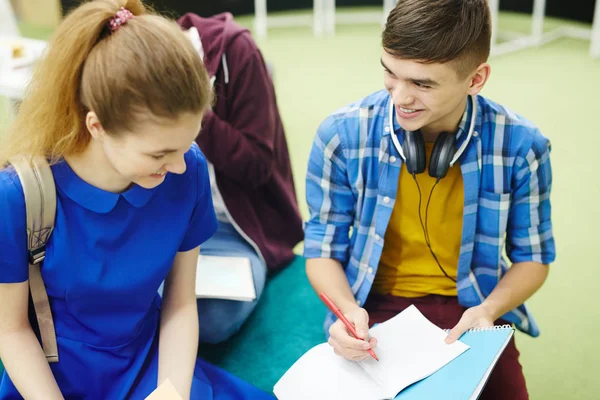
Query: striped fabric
{"points": [[352, 181]]}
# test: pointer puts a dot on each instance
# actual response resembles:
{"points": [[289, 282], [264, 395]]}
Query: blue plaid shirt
{"points": [[352, 182]]}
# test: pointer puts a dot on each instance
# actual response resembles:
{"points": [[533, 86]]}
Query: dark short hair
{"points": [[440, 31]]}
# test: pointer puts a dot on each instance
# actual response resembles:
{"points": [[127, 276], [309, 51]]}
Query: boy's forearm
{"points": [[520, 282], [327, 275], [27, 366]]}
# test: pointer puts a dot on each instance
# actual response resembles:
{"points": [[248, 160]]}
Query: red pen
{"points": [[341, 316]]}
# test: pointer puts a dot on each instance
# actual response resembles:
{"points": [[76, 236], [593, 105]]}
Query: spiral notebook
{"points": [[415, 363], [466, 376]]}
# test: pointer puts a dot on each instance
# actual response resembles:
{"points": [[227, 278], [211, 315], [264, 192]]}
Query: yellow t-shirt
{"points": [[407, 267]]}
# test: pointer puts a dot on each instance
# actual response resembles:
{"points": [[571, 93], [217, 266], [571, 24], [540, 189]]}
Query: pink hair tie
{"points": [[119, 19]]}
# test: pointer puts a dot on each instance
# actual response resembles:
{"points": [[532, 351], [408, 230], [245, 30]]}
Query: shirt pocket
{"points": [[492, 216]]}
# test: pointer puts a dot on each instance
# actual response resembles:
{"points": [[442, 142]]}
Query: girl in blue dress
{"points": [[115, 105]]}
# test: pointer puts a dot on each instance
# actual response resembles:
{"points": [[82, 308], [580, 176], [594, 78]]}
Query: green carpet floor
{"points": [[557, 86]]}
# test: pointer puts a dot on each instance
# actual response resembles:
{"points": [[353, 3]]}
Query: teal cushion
{"points": [[287, 322]]}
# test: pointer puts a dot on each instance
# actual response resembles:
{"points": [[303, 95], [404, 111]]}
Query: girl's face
{"points": [[153, 149]]}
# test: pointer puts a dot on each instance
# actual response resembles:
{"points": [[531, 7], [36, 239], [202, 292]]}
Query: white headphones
{"points": [[458, 152]]}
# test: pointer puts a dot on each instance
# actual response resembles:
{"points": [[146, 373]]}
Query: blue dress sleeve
{"points": [[203, 223], [13, 229]]}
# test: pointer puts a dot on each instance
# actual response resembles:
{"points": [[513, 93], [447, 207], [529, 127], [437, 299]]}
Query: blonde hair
{"points": [[146, 64]]}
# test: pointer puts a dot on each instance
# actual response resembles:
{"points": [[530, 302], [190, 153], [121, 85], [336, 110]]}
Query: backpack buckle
{"points": [[36, 256]]}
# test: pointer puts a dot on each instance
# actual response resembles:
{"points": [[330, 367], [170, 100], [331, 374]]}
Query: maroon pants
{"points": [[506, 381]]}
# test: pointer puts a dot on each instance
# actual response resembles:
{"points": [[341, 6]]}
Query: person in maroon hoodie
{"points": [[251, 175]]}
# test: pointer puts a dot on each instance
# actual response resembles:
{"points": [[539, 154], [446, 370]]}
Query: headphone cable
{"points": [[424, 226]]}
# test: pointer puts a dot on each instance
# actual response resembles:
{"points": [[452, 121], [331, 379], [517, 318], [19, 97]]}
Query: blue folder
{"points": [[465, 377]]}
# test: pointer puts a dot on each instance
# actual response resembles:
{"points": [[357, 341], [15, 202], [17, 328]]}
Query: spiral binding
{"points": [[489, 328]]}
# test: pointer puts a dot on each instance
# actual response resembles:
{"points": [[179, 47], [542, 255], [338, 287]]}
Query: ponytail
{"points": [[145, 64]]}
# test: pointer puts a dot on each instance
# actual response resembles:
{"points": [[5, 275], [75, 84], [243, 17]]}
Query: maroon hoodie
{"points": [[243, 138]]}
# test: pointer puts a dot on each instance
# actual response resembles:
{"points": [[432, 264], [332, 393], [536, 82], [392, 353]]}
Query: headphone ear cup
{"points": [[414, 150], [441, 155]]}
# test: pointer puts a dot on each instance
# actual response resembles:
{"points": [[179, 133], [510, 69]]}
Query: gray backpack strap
{"points": [[40, 202]]}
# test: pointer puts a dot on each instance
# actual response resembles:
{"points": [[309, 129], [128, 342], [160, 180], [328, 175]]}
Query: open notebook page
{"points": [[410, 348], [321, 374]]}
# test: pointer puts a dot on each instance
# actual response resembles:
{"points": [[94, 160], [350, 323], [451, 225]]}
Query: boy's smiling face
{"points": [[430, 97]]}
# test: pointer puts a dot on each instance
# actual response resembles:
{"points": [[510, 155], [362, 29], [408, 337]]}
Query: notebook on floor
{"points": [[227, 278], [415, 363]]}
